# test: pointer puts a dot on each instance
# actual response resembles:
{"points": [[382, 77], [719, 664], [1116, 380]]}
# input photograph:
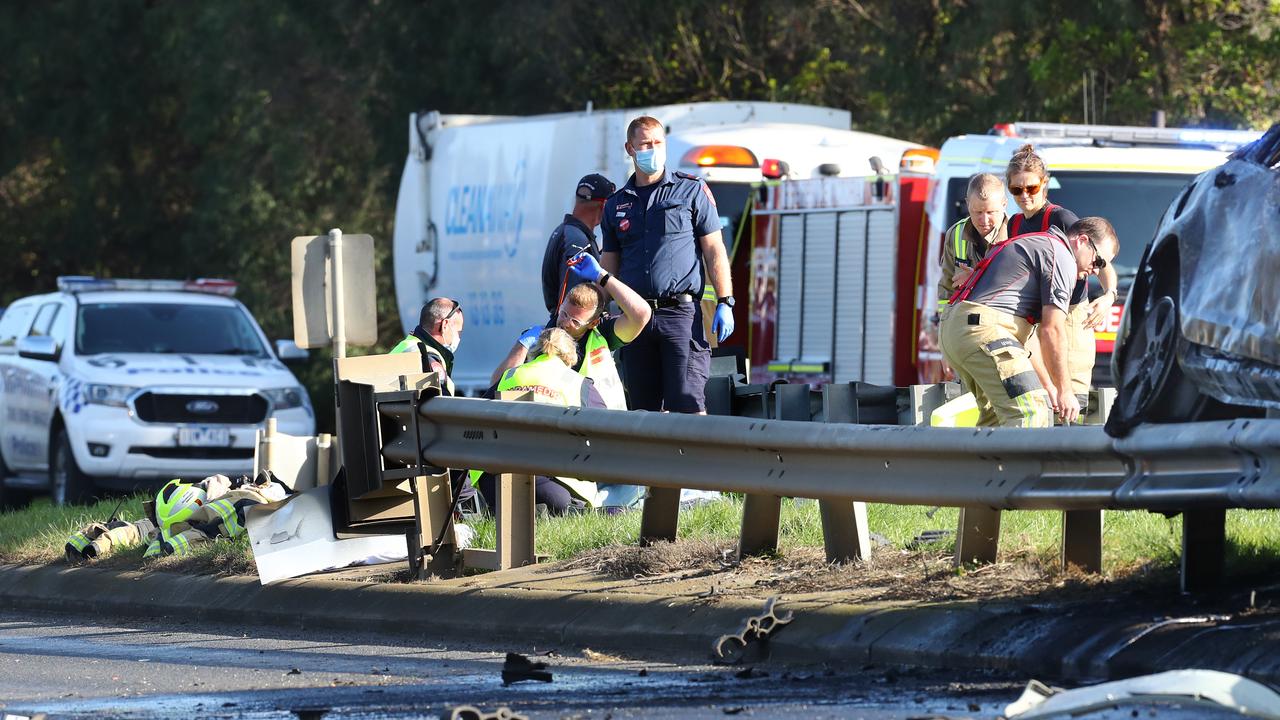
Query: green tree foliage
{"points": [[153, 138]]}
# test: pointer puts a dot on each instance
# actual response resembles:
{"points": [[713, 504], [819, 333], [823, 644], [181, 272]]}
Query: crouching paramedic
{"points": [[437, 336], [582, 315], [551, 376], [1020, 284]]}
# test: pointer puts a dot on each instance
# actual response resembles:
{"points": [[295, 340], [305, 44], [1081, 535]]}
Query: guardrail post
{"points": [[927, 398], [1082, 529], [515, 520], [1204, 546], [978, 531], [432, 500], [660, 518], [1082, 540], [845, 531], [762, 513], [978, 537]]}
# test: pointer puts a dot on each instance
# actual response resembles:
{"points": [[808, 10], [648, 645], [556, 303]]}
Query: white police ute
{"points": [[126, 383]]}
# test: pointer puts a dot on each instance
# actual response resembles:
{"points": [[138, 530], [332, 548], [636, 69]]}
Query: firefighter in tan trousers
{"points": [[1020, 284], [1024, 282]]}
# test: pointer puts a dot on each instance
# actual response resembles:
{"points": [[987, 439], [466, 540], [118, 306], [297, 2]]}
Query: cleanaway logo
{"points": [[494, 212]]}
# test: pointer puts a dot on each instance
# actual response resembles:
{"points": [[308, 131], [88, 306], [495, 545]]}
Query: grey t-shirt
{"points": [[1033, 271]]}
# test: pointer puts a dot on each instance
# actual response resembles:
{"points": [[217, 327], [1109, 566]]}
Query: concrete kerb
{"points": [[1054, 642]]}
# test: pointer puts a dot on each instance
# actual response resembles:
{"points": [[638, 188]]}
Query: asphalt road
{"points": [[79, 667]]}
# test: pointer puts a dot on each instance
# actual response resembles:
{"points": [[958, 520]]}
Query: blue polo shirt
{"points": [[656, 235]]}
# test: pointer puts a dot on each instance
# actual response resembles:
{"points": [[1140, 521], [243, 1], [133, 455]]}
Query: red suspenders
{"points": [[1016, 225], [962, 293]]}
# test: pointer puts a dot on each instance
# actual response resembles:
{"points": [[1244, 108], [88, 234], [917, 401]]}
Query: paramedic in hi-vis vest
{"points": [[550, 375], [966, 243], [437, 337], [1029, 184], [1023, 282], [582, 315]]}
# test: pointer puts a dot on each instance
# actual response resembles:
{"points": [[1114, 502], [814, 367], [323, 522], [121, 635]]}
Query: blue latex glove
{"points": [[585, 267], [722, 325], [530, 336]]}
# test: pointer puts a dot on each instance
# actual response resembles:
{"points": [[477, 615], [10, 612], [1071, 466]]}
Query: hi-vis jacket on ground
{"points": [[221, 514]]}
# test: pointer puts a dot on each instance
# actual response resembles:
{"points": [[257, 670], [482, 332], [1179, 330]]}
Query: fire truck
{"points": [[843, 271]]}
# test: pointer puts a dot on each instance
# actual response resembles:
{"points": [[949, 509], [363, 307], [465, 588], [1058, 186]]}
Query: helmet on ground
{"points": [[176, 501]]}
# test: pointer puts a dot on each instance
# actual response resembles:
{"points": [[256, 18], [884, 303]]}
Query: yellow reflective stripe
{"points": [[1033, 413], [178, 545], [153, 549], [79, 541], [942, 304], [796, 367], [958, 243], [709, 293], [1028, 413], [227, 511], [1133, 167]]}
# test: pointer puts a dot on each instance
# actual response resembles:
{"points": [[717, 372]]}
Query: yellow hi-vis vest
{"points": [[411, 343], [549, 377], [599, 366], [959, 248], [546, 376]]}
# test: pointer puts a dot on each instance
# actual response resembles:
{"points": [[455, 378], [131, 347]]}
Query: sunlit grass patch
{"points": [[1133, 541]]}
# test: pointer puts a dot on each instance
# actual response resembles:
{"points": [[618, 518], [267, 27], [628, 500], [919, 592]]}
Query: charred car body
{"points": [[1200, 335]]}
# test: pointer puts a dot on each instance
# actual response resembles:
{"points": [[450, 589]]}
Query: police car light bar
{"points": [[88, 283], [1225, 139]]}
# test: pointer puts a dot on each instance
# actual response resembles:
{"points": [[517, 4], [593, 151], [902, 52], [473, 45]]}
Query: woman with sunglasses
{"points": [[1028, 181]]}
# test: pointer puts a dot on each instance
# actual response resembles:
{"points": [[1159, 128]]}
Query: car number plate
{"points": [[204, 437]]}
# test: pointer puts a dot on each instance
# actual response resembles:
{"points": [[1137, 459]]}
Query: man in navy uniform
{"points": [[576, 234], [659, 233]]}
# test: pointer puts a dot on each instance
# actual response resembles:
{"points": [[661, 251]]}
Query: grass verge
{"points": [[1133, 542]]}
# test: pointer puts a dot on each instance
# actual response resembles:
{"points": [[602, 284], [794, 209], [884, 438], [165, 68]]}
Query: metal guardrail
{"points": [[1061, 468], [1199, 469]]}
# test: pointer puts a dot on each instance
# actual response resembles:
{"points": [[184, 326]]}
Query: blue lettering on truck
{"points": [[494, 210]]}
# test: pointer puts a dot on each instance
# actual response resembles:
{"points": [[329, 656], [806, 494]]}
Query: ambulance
{"points": [[480, 195]]}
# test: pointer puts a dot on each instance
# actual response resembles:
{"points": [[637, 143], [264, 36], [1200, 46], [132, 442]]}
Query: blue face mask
{"points": [[652, 160]]}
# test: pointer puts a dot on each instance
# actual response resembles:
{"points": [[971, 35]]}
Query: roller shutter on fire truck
{"points": [[835, 285]]}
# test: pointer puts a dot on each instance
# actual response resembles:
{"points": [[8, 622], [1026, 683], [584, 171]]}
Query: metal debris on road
{"points": [[470, 712], [732, 649], [518, 668]]}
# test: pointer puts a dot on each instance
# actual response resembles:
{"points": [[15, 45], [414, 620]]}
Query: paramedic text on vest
{"points": [[437, 336], [582, 316], [1022, 283], [574, 235], [658, 233]]}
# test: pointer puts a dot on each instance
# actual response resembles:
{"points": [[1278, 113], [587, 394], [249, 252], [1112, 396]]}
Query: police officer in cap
{"points": [[659, 233], [576, 234]]}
